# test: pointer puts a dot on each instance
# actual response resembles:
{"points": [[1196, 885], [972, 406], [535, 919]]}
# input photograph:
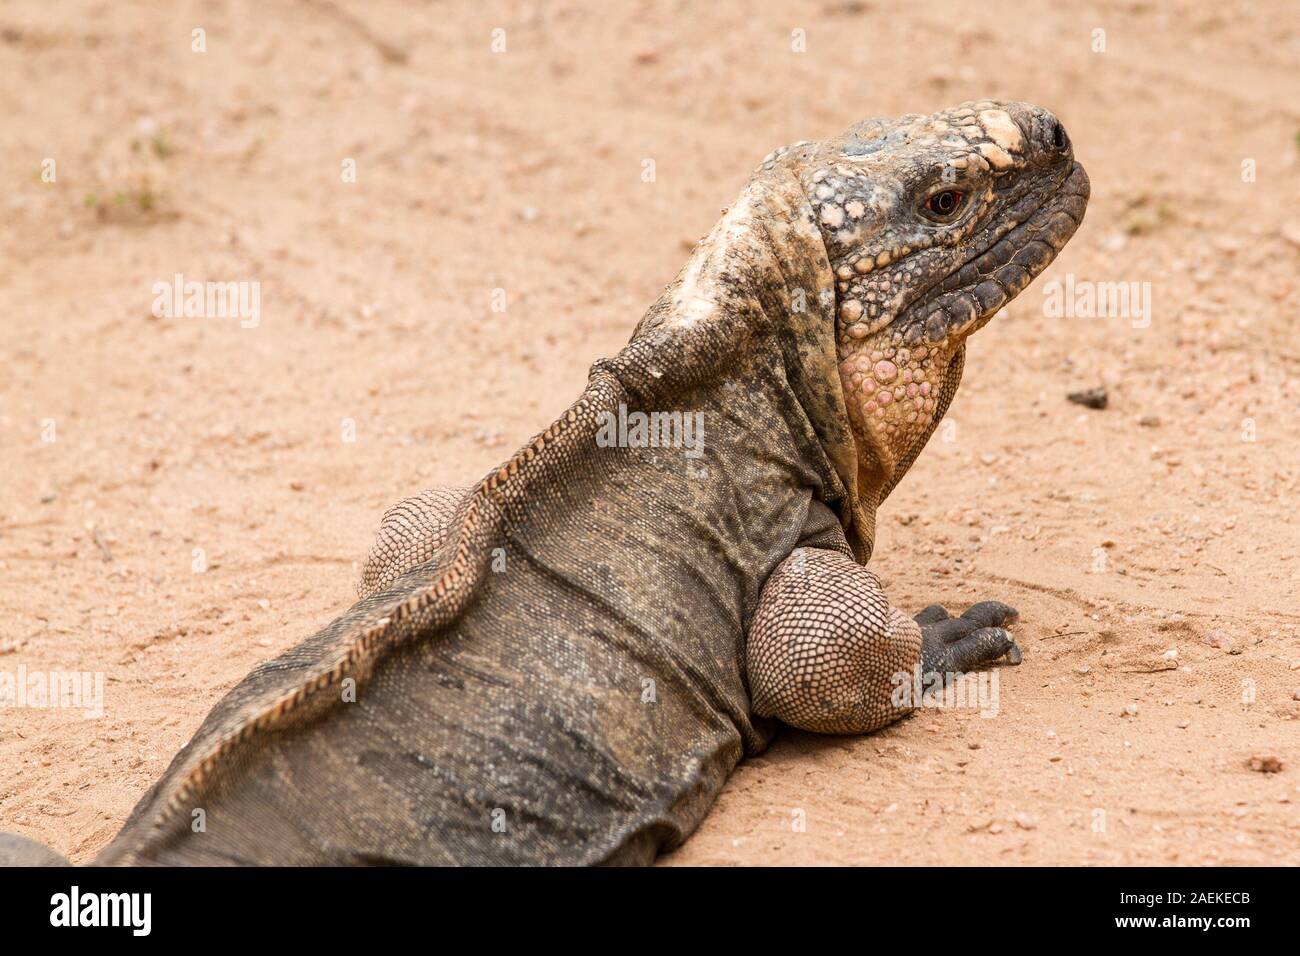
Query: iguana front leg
{"points": [[825, 651], [411, 533]]}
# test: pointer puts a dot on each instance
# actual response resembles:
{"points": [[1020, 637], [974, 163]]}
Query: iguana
{"points": [[564, 662]]}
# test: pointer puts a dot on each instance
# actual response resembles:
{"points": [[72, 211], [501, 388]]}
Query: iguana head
{"points": [[931, 225]]}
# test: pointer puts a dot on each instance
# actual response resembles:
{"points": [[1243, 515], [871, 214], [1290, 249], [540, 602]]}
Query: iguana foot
{"points": [[825, 649], [411, 533], [979, 637], [826, 652]]}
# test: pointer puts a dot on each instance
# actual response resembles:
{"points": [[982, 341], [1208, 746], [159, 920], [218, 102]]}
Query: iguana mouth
{"points": [[965, 299]]}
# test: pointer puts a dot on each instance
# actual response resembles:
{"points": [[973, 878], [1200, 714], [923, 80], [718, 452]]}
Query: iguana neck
{"points": [[761, 272]]}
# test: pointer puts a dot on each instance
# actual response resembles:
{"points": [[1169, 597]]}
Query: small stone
{"points": [[1220, 640], [1024, 821], [1149, 421], [1266, 763], [297, 485], [1130, 710], [1090, 398]]}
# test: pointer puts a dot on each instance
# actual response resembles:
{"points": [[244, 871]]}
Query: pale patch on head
{"points": [[998, 157], [1002, 129]]}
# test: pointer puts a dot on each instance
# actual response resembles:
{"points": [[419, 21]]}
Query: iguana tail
{"points": [[18, 850]]}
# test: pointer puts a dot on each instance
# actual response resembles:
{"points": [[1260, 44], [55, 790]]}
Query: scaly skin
{"points": [[563, 663]]}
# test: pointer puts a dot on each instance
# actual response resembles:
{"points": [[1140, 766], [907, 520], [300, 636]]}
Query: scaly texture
{"points": [[825, 646], [411, 533], [552, 668]]}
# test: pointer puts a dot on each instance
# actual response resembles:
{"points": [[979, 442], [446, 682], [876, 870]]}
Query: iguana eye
{"points": [[945, 205]]}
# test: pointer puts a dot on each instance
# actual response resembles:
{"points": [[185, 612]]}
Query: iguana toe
{"points": [[977, 649], [932, 615], [992, 614], [954, 645]]}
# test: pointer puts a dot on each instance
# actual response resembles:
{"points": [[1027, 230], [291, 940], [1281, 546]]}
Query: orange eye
{"points": [[944, 205]]}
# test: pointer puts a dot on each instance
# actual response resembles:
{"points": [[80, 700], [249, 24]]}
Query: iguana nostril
{"points": [[1060, 141]]}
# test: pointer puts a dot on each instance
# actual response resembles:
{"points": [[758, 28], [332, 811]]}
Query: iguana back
{"points": [[562, 682]]}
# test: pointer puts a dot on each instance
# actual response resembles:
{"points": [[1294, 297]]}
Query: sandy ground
{"points": [[1165, 523]]}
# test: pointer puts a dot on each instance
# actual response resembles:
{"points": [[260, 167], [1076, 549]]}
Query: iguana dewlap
{"points": [[563, 663]]}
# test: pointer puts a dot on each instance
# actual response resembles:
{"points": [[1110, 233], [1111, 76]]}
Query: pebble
{"points": [[1091, 398], [1220, 640], [1266, 763]]}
